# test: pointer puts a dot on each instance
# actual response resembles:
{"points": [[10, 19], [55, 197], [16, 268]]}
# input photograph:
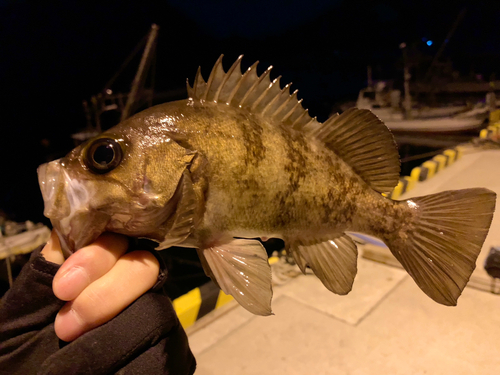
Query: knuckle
{"points": [[87, 255], [90, 261]]}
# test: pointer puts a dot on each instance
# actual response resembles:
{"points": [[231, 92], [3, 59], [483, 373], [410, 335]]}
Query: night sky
{"points": [[54, 54]]}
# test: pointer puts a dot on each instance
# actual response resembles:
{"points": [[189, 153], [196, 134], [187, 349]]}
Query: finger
{"points": [[87, 265], [133, 275], [52, 250]]}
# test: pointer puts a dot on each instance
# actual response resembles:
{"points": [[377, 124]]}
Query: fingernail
{"points": [[71, 284]]}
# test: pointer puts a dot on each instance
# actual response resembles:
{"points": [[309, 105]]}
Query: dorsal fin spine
{"points": [[310, 122], [226, 77], [306, 121], [296, 114], [189, 89], [281, 103], [249, 91], [283, 108], [198, 81], [241, 81], [292, 111], [212, 76], [324, 131], [256, 83], [276, 99], [330, 122], [296, 123], [259, 99], [266, 93]]}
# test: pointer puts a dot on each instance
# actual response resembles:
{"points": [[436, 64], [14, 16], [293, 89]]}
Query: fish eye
{"points": [[103, 155]]}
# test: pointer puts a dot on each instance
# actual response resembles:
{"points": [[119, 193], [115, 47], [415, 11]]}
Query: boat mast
{"points": [[123, 103], [369, 76], [445, 42], [141, 72], [407, 76]]}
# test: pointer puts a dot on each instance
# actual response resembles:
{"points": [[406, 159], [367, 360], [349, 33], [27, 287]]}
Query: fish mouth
{"points": [[49, 179], [79, 230], [67, 203]]}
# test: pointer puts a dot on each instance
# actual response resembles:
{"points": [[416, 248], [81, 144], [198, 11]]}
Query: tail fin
{"points": [[440, 247]]}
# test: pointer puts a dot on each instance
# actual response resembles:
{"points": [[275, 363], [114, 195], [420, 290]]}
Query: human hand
{"points": [[99, 281]]}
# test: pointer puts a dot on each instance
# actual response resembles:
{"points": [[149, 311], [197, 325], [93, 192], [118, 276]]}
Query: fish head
{"points": [[122, 181]]}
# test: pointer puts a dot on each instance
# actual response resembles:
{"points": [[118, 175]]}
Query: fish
{"points": [[241, 160]]}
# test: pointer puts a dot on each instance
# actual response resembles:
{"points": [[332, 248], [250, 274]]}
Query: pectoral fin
{"points": [[334, 262], [182, 223], [241, 269]]}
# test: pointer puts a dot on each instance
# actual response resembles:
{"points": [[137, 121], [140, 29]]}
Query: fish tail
{"points": [[442, 239]]}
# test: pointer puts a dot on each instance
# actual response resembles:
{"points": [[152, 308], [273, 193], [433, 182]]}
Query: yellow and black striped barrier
{"points": [[426, 171], [199, 302], [493, 130]]}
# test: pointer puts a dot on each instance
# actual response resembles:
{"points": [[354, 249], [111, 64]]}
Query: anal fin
{"points": [[334, 262], [241, 269]]}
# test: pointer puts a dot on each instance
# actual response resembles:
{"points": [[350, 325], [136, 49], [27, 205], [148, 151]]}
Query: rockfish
{"points": [[241, 159]]}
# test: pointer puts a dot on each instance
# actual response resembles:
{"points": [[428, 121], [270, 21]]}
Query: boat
{"points": [[385, 102], [407, 115]]}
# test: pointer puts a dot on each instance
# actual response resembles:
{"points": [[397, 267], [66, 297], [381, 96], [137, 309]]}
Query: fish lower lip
{"points": [[49, 179], [80, 230]]}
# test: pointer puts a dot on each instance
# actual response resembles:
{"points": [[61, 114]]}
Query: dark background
{"points": [[54, 54]]}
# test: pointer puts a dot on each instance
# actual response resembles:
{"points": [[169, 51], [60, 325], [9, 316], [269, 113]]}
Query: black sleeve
{"points": [[146, 338], [27, 313]]}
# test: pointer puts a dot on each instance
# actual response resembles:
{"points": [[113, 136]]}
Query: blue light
{"points": [[429, 42]]}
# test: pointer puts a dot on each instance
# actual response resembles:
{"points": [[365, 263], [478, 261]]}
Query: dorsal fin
{"points": [[362, 140], [256, 93], [357, 136]]}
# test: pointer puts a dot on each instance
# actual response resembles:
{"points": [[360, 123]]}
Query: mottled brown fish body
{"points": [[261, 178]]}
